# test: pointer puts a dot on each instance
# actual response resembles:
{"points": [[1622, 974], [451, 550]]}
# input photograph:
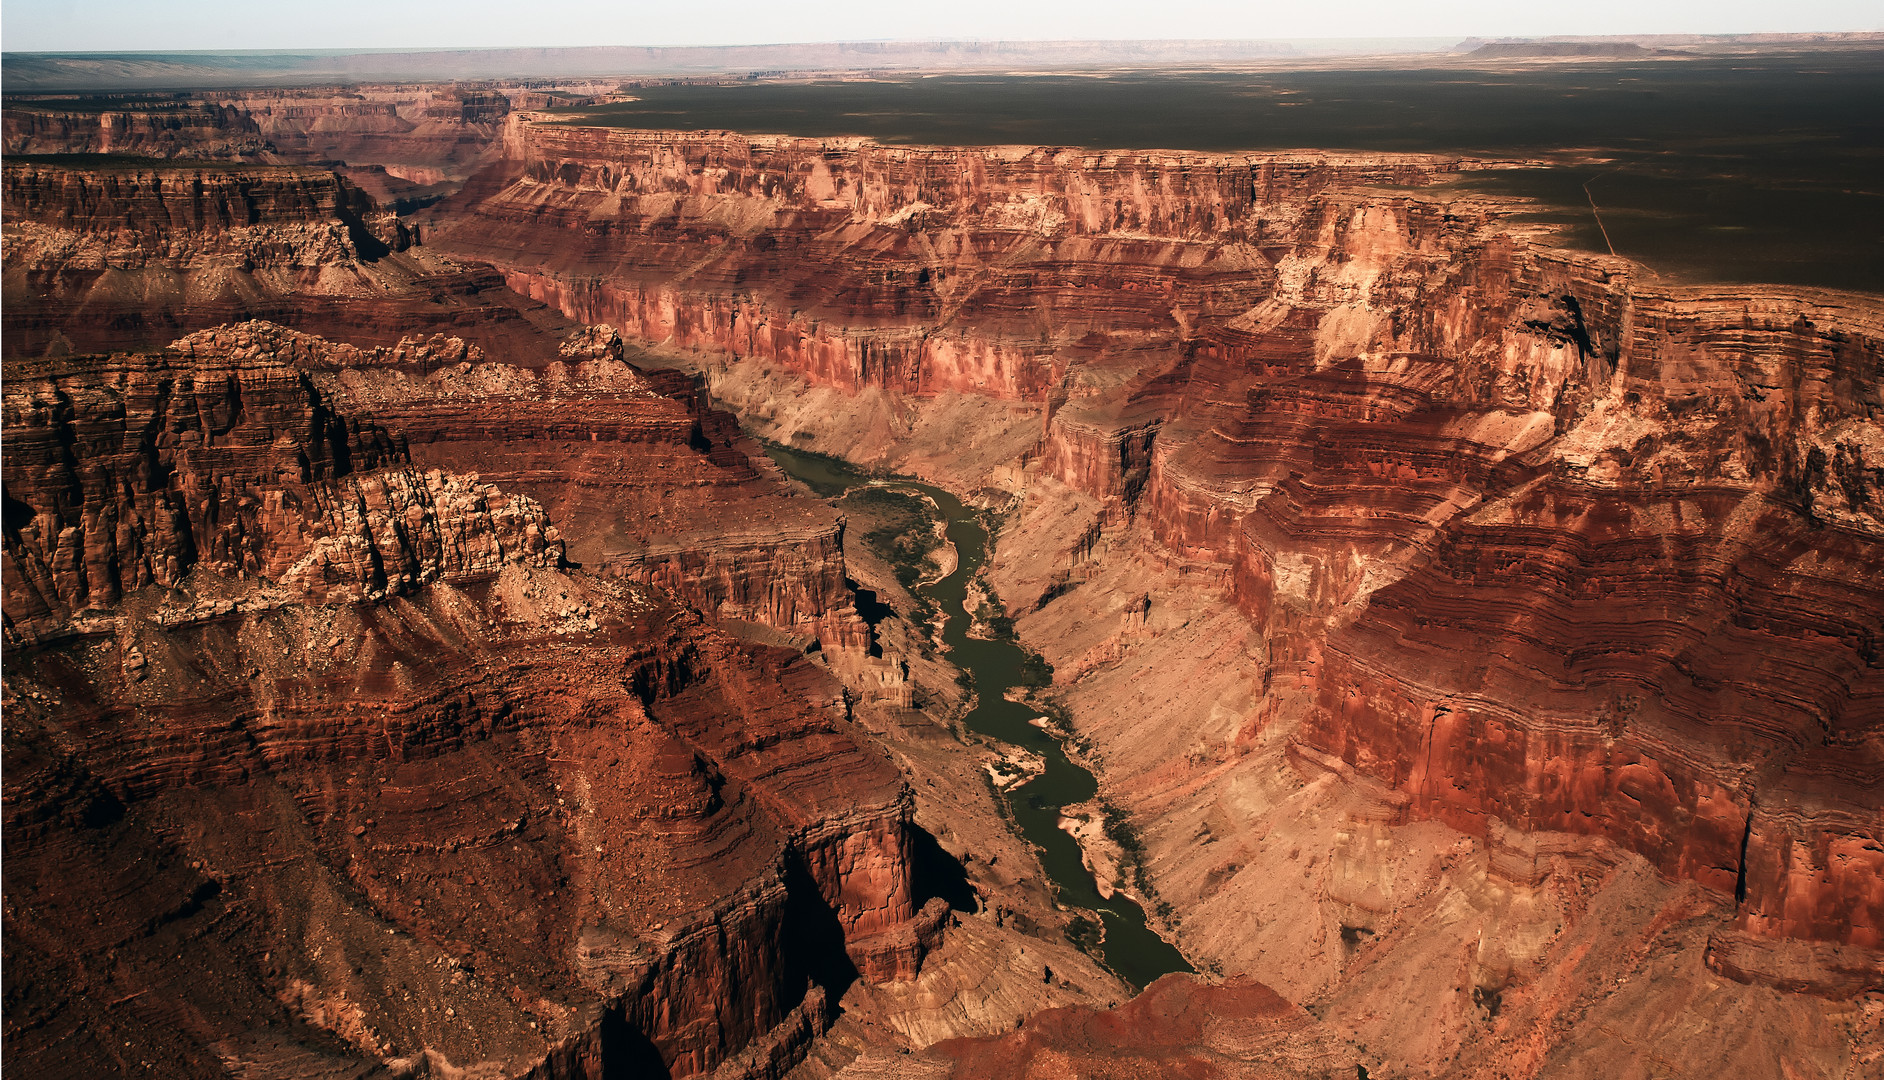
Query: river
{"points": [[1127, 946]]}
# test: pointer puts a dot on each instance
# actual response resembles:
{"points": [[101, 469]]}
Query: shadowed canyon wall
{"points": [[333, 755], [1462, 624], [412, 136], [1529, 537]]}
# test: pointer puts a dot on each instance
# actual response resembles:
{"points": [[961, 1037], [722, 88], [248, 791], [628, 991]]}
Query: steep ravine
{"points": [[1427, 592], [404, 703], [330, 760], [353, 743], [1478, 639], [995, 667]]}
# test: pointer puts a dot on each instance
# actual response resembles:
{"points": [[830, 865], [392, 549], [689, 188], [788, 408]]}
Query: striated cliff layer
{"points": [[365, 714], [322, 759], [155, 128], [907, 268], [123, 253], [1482, 639], [1532, 540], [134, 470], [646, 483], [131, 211], [1561, 550], [420, 135], [424, 135]]}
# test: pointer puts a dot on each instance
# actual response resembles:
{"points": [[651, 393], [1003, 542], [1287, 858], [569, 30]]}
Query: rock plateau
{"points": [[1482, 638]]}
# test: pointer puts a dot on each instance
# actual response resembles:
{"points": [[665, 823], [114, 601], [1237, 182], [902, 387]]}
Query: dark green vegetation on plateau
{"points": [[1752, 169]]}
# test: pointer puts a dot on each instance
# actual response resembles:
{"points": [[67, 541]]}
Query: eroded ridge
{"points": [[1478, 640], [317, 754], [1527, 535], [109, 253]]}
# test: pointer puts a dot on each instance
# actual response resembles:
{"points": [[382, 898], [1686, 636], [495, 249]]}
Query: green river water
{"points": [[1127, 946]]}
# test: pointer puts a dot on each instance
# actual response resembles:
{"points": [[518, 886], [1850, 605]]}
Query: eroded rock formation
{"points": [[1481, 637], [157, 128], [422, 135], [1550, 567], [1540, 545], [111, 253], [910, 269], [351, 736], [134, 470]]}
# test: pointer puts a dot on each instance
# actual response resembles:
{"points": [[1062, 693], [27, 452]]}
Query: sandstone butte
{"points": [[414, 669]]}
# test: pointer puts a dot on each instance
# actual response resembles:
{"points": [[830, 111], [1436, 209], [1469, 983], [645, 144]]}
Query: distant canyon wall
{"points": [[419, 133], [914, 269], [1534, 538], [104, 253]]}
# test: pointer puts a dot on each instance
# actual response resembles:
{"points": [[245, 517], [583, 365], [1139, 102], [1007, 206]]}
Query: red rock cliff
{"points": [[646, 483], [319, 759], [1534, 539], [422, 134], [908, 268], [147, 129], [129, 254]]}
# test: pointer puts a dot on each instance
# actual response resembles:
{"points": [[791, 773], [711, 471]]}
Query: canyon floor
{"points": [[418, 662]]}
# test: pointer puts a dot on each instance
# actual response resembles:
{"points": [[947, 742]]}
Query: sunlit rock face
{"points": [[1587, 563], [107, 253], [1474, 632], [906, 268], [1530, 537], [335, 757]]}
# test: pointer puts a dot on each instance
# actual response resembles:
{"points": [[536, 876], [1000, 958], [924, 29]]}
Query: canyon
{"points": [[415, 664]]}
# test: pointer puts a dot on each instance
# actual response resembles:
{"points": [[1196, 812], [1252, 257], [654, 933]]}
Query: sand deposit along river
{"points": [[1127, 945]]}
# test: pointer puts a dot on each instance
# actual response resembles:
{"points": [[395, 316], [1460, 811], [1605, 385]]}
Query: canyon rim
{"points": [[644, 566]]}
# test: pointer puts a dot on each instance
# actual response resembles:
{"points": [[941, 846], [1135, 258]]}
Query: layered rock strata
{"points": [[559, 825], [645, 483], [428, 137], [154, 128], [133, 470], [1530, 538], [1587, 568], [128, 253], [1531, 602], [284, 541], [910, 269], [1430, 950]]}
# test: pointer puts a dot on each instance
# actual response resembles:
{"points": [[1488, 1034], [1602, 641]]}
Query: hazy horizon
{"points": [[119, 26]]}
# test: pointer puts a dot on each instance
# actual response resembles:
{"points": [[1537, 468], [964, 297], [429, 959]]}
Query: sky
{"points": [[168, 25]]}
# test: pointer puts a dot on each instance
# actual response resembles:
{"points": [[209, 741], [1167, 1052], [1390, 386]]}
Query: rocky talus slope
{"points": [[1555, 585], [324, 758], [1479, 639]]}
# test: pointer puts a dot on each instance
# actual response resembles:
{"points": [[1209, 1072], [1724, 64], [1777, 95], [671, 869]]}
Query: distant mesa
{"points": [[49, 71], [1619, 50], [41, 72]]}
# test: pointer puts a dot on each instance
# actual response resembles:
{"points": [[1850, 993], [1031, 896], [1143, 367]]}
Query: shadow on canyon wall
{"points": [[1731, 170]]}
